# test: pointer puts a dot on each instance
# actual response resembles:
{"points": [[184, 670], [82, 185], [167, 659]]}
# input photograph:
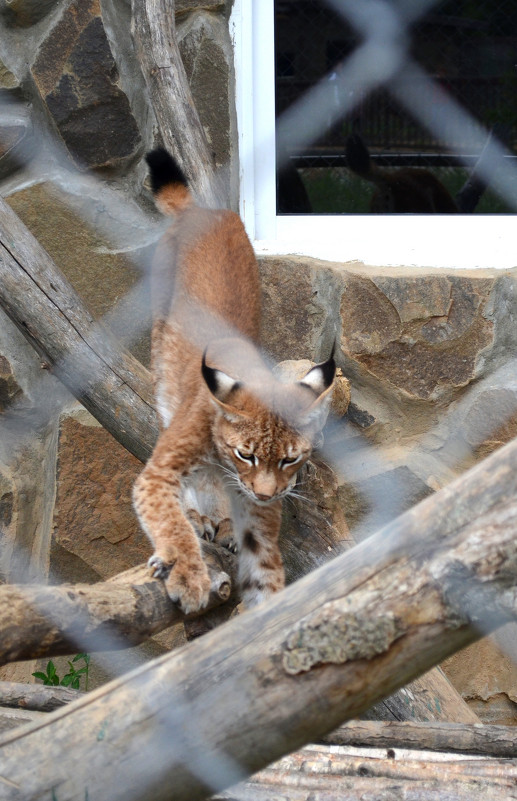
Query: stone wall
{"points": [[425, 351]]}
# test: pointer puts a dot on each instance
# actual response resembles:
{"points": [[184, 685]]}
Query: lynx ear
{"points": [[321, 376], [319, 379], [220, 384]]}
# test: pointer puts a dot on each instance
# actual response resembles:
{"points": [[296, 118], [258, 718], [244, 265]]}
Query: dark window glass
{"points": [[379, 157]]}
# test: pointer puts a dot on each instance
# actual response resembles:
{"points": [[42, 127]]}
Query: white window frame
{"points": [[442, 241]]}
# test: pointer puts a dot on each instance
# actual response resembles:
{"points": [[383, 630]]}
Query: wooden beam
{"points": [[490, 740]]}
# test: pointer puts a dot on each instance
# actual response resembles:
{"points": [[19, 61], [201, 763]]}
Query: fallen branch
{"points": [[82, 353], [154, 36], [329, 774], [320, 652], [494, 741], [36, 697], [38, 621]]}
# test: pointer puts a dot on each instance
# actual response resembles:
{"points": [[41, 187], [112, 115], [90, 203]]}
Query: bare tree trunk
{"points": [[82, 353], [316, 654], [154, 35], [126, 610]]}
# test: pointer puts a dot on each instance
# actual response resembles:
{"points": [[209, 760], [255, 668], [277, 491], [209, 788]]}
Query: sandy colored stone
{"points": [[99, 276], [485, 674], [94, 519], [422, 335]]}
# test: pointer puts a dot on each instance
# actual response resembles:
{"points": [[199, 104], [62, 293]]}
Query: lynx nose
{"points": [[261, 497]]}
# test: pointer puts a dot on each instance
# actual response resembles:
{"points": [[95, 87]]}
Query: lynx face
{"points": [[265, 432], [264, 464]]}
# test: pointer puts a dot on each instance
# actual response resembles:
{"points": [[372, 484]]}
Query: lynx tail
{"points": [[168, 182]]}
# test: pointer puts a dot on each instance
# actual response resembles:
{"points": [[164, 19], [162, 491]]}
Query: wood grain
{"points": [[319, 653]]}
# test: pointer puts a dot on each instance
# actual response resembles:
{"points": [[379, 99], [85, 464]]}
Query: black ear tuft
{"points": [[320, 377], [164, 170], [210, 376], [220, 384]]}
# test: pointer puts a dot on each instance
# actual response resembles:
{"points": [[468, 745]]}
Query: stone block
{"points": [[485, 674], [299, 308], [9, 387], [187, 6], [77, 77], [94, 519], [24, 13], [421, 334], [51, 217]]}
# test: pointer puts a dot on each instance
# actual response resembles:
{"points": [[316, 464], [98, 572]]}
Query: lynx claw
{"points": [[158, 567], [224, 536]]}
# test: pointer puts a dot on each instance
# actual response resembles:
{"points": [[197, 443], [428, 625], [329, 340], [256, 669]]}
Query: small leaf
{"points": [[39, 675]]}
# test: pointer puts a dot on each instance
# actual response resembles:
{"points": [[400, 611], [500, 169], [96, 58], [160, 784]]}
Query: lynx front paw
{"points": [[225, 537], [189, 586]]}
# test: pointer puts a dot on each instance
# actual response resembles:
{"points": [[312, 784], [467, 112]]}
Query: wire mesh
{"points": [[453, 51]]}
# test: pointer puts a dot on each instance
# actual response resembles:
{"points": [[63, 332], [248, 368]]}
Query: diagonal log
{"points": [[80, 351], [320, 652]]}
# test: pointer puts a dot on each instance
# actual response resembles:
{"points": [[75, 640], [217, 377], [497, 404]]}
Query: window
{"points": [[394, 239]]}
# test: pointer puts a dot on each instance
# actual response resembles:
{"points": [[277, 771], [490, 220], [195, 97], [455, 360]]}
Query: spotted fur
{"points": [[233, 437]]}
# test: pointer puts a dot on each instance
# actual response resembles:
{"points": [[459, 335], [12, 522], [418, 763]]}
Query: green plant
{"points": [[71, 679]]}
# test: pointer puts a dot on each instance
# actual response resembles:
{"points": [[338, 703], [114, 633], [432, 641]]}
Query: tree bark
{"points": [[488, 740], [154, 36], [124, 611], [316, 654], [36, 697], [82, 353], [329, 774]]}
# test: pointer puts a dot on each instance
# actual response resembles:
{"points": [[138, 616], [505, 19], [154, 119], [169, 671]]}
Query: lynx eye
{"points": [[289, 460], [245, 456]]}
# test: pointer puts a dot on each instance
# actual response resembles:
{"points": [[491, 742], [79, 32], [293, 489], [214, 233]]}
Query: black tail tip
{"points": [[164, 170]]}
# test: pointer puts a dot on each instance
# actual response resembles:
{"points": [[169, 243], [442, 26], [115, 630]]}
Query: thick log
{"points": [[154, 36], [38, 621], [352, 774], [481, 739], [320, 652], [82, 353]]}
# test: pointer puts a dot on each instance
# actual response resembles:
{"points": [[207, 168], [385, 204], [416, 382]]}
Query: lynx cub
{"points": [[233, 436]]}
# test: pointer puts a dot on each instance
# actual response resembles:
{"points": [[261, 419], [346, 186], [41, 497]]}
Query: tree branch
{"points": [[154, 36], [320, 652], [127, 609]]}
